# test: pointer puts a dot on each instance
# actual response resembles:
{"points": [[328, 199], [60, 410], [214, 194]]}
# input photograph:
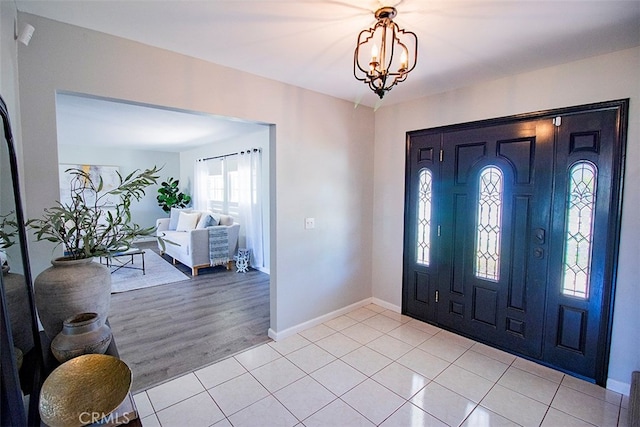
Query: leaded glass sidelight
{"points": [[581, 203], [488, 232], [423, 240]]}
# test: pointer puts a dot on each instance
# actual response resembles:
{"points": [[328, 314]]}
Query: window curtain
{"points": [[250, 203], [201, 176]]}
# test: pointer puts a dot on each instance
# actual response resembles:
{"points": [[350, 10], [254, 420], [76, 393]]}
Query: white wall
{"points": [[603, 78], [257, 138], [321, 159], [146, 211]]}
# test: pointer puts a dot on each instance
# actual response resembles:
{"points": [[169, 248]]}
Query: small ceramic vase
{"points": [[84, 333]]}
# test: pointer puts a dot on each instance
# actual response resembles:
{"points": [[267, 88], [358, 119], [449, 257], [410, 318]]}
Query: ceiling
{"points": [[89, 121], [310, 43]]}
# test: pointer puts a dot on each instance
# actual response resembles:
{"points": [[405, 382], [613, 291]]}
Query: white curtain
{"points": [[200, 199], [250, 203]]}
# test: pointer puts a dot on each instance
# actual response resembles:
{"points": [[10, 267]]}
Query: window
{"points": [[580, 214], [424, 217], [489, 220], [222, 185]]}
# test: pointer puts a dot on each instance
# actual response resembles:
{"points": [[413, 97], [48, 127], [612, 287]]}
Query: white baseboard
{"points": [[386, 305], [145, 239], [619, 386], [277, 336]]}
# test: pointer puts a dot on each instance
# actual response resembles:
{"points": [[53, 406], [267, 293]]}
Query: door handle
{"points": [[539, 236]]}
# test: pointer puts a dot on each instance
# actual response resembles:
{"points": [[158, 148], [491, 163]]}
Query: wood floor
{"points": [[168, 330]]}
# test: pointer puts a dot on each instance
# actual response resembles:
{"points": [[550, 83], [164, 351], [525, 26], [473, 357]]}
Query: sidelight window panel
{"points": [[489, 224], [423, 240], [579, 234]]}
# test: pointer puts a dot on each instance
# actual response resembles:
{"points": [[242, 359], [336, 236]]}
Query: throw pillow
{"points": [[215, 219], [175, 215], [187, 221], [225, 220], [204, 221]]}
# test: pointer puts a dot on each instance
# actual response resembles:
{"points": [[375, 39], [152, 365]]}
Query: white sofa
{"points": [[188, 241]]}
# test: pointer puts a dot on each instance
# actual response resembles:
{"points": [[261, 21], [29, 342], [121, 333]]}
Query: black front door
{"points": [[491, 245], [496, 187]]}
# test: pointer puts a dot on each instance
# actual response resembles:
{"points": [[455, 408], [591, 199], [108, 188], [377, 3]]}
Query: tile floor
{"points": [[377, 367]]}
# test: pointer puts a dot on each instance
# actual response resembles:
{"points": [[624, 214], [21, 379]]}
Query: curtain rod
{"points": [[229, 155]]}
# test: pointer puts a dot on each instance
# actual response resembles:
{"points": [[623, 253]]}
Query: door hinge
{"points": [[557, 121], [438, 231], [437, 296], [441, 154]]}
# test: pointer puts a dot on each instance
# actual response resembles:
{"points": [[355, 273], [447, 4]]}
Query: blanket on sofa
{"points": [[218, 245]]}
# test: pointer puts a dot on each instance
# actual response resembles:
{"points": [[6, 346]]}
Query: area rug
{"points": [[157, 272]]}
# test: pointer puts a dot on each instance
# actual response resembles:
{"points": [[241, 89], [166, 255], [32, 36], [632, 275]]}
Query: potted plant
{"points": [[94, 222], [8, 230], [170, 196]]}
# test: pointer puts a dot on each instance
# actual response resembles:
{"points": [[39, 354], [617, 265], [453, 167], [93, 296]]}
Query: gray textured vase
{"points": [[17, 300], [84, 333], [70, 287]]}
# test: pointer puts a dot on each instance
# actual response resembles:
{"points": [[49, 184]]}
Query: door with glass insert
{"points": [[421, 219], [496, 187], [512, 229], [585, 244]]}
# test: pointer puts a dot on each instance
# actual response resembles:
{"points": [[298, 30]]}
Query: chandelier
{"points": [[381, 58]]}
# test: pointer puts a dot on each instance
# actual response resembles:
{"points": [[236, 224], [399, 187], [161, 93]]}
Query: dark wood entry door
{"points": [[490, 276], [497, 227], [578, 327]]}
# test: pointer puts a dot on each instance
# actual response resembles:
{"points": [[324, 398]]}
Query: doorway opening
{"points": [[131, 135]]}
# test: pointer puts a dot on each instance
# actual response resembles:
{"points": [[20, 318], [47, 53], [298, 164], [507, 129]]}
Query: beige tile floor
{"points": [[376, 367]]}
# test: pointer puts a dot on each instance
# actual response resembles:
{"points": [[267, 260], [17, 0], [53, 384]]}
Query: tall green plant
{"points": [[95, 222], [170, 196]]}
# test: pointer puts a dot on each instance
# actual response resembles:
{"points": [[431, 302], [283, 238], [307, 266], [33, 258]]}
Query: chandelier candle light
{"points": [[389, 61]]}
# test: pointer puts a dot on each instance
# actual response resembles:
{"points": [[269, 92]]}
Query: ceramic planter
{"points": [[70, 287], [84, 333]]}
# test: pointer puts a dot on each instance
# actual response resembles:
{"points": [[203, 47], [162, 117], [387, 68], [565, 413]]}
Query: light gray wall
{"points": [[255, 139], [602, 78], [321, 159], [146, 211], [9, 92], [9, 64]]}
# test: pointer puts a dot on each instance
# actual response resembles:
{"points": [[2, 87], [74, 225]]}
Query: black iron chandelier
{"points": [[382, 57]]}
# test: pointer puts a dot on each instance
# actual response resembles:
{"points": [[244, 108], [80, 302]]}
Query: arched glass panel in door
{"points": [[423, 240], [581, 201], [489, 224]]}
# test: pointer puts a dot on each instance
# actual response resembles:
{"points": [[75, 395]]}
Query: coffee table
{"points": [[124, 259]]}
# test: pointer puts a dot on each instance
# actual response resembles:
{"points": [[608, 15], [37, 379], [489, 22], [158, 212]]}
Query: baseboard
{"points": [[277, 336], [386, 305], [618, 386], [263, 269], [145, 239]]}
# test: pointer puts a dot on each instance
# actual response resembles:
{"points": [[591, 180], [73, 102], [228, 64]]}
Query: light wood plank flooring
{"points": [[168, 330]]}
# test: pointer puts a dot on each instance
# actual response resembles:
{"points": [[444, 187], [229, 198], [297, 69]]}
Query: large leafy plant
{"points": [[170, 196], [95, 222]]}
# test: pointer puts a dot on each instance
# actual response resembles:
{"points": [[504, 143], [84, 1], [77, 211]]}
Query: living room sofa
{"points": [[186, 234]]}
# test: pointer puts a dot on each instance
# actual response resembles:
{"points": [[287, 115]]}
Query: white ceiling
{"points": [[90, 121], [310, 43]]}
